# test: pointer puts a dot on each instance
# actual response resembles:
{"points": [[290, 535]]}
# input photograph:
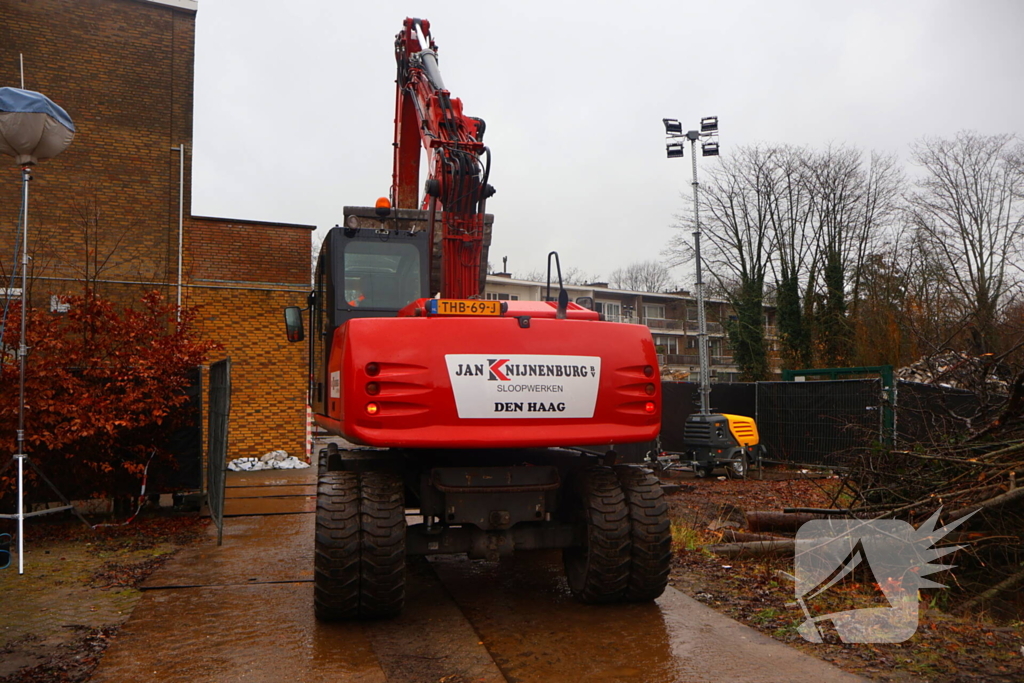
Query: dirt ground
{"points": [[945, 649], [79, 587]]}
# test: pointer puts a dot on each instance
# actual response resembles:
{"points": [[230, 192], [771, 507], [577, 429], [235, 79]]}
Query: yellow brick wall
{"points": [[268, 374]]}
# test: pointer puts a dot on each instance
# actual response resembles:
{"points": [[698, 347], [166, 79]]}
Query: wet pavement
{"points": [[243, 612]]}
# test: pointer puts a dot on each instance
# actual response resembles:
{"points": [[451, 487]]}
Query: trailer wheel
{"points": [[650, 533], [598, 571], [703, 471], [359, 560], [738, 469]]}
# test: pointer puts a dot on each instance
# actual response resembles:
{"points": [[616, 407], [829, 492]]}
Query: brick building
{"points": [[107, 209]]}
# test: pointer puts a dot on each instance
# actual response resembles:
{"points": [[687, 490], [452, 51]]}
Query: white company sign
{"points": [[524, 386]]}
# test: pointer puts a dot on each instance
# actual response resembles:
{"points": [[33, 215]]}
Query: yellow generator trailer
{"points": [[721, 440]]}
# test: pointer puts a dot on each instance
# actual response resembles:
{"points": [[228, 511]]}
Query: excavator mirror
{"points": [[586, 302], [293, 324]]}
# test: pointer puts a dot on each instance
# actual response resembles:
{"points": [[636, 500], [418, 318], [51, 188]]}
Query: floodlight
{"points": [[709, 124], [674, 150], [673, 127], [709, 149]]}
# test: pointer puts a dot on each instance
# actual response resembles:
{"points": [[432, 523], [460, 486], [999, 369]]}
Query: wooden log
{"points": [[733, 536], [761, 521], [753, 548]]}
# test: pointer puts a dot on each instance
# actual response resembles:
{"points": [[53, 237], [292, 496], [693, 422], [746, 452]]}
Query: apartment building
{"points": [[671, 316]]}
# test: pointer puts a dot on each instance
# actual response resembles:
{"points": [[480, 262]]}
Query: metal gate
{"points": [[817, 423], [217, 446]]}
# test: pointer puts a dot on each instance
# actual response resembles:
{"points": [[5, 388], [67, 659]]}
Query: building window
{"points": [[691, 313], [691, 342], [666, 344], [611, 309], [501, 296], [654, 311]]}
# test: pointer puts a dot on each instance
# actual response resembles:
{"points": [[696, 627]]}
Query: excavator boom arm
{"points": [[458, 162]]}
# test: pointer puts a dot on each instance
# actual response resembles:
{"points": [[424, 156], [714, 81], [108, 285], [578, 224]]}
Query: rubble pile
{"points": [[274, 460], [954, 370]]}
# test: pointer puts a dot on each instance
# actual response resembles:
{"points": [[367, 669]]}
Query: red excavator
{"points": [[494, 422]]}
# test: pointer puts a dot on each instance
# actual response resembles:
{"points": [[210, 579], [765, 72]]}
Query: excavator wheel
{"points": [[650, 533], [598, 571], [359, 562]]}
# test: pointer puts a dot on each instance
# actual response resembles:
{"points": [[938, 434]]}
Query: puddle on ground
{"points": [[536, 631], [237, 633]]}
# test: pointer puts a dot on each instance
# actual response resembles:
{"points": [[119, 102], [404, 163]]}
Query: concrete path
{"points": [[243, 612]]}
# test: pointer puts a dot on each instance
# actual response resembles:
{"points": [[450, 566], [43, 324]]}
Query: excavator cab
{"points": [[369, 271]]}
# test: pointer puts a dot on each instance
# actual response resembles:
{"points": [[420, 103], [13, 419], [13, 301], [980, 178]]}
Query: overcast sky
{"points": [[294, 101]]}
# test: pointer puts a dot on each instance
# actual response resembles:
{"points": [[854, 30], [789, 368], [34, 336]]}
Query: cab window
{"points": [[380, 275]]}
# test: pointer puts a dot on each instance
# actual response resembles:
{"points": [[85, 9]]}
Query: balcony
{"points": [[685, 325], [621, 318], [679, 359], [694, 360], [664, 324]]}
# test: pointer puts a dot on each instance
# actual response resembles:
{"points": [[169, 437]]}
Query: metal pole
{"points": [[702, 321], [181, 216], [22, 352]]}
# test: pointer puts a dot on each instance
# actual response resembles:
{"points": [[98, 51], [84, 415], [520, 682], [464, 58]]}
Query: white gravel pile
{"points": [[274, 460]]}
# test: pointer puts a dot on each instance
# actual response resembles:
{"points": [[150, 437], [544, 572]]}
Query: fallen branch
{"points": [[1014, 408], [1009, 496], [1012, 582], [959, 461]]}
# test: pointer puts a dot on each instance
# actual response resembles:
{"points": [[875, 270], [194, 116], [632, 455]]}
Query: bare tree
{"points": [[315, 245], [968, 209], [837, 182], [791, 209], [571, 275], [642, 276]]}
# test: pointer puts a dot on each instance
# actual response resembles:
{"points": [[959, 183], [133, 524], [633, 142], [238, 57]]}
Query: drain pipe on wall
{"points": [[181, 216]]}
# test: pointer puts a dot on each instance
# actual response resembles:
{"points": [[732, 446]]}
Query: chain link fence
{"points": [[817, 423], [217, 446]]}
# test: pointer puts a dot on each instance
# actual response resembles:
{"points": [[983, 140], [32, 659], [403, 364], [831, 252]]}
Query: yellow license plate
{"points": [[467, 307]]}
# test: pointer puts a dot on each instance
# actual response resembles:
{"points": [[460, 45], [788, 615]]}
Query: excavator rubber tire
{"points": [[359, 560], [650, 533], [598, 572]]}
